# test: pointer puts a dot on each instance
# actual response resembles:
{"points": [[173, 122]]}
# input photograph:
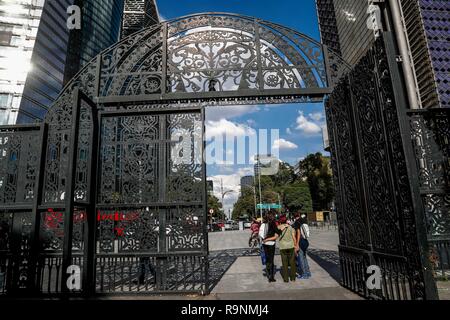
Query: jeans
{"points": [[288, 269], [302, 264], [270, 267], [263, 255]]}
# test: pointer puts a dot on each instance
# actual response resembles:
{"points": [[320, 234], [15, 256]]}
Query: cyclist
{"points": [[254, 228]]}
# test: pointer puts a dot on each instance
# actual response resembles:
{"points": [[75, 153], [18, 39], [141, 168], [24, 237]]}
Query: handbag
{"points": [[304, 243]]}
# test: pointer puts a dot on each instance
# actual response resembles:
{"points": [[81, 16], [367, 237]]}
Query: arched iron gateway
{"points": [[97, 185]]}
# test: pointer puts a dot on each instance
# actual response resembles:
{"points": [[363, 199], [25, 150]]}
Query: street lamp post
{"points": [[224, 193]]}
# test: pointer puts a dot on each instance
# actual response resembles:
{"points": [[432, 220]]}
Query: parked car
{"points": [[229, 225], [217, 226]]}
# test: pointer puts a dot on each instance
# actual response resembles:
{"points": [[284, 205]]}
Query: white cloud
{"points": [[228, 128], [229, 112], [317, 116], [283, 144], [307, 125], [288, 131]]}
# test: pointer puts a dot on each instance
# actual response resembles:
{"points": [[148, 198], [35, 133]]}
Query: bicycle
{"points": [[254, 241]]}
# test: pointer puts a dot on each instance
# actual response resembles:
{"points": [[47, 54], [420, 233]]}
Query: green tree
{"points": [[214, 203], [296, 196], [285, 175], [245, 205], [316, 170]]}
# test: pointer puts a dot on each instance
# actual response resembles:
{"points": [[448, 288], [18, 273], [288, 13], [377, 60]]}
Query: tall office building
{"points": [[247, 182], [138, 14], [39, 54], [100, 28], [426, 24], [55, 53], [328, 24], [19, 22]]}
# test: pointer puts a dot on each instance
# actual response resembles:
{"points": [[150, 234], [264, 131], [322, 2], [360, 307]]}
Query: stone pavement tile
{"points": [[443, 290], [333, 293], [246, 275]]}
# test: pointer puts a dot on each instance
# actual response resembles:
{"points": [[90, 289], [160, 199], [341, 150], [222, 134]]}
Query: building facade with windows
{"points": [[247, 182], [19, 23], [426, 24], [56, 53], [39, 54], [138, 14]]}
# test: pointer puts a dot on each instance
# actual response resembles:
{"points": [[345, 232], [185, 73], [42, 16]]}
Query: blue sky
{"points": [[299, 125]]}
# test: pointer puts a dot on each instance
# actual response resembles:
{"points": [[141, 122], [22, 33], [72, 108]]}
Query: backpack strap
{"points": [[284, 233]]}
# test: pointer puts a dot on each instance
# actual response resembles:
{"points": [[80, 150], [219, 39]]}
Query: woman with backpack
{"points": [[302, 236], [287, 242]]}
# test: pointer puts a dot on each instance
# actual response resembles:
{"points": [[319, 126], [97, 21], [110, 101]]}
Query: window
{"points": [[4, 100], [5, 37]]}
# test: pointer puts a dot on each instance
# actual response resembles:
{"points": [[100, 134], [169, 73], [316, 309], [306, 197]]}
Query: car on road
{"points": [[247, 225], [229, 225], [217, 226]]}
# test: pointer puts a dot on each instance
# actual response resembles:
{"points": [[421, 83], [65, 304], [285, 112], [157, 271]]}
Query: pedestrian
{"points": [[302, 238], [288, 246], [262, 236], [271, 236]]}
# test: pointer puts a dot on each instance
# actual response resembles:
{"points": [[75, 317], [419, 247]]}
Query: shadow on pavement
{"points": [[221, 261], [328, 260]]}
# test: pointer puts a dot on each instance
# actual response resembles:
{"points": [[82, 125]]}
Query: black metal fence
{"points": [[430, 135], [136, 226]]}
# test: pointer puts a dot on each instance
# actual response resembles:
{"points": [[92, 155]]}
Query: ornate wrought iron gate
{"points": [[151, 219], [381, 214], [113, 183]]}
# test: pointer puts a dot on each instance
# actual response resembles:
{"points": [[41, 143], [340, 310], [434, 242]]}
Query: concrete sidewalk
{"points": [[245, 280]]}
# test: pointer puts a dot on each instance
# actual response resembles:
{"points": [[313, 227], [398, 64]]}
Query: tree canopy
{"points": [[316, 170], [285, 187], [214, 203]]}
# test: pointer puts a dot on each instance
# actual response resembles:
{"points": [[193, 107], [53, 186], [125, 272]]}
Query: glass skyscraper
{"points": [[100, 28], [56, 53], [39, 54], [19, 22], [138, 14], [343, 26]]}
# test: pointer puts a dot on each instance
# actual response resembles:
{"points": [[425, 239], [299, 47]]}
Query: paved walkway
{"points": [[244, 279]]}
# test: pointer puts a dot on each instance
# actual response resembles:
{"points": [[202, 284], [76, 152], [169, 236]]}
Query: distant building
{"points": [[247, 182], [210, 187], [299, 171]]}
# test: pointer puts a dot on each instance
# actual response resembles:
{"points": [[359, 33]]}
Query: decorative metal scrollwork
{"points": [[19, 159], [374, 201]]}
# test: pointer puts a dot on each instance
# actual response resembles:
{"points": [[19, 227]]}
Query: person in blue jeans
{"points": [[302, 235]]}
